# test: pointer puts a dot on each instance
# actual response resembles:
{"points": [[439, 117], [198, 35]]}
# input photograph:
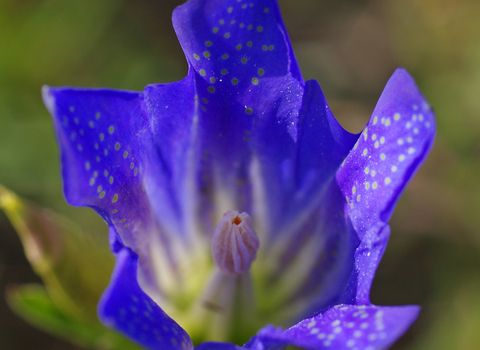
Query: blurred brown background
{"points": [[351, 47]]}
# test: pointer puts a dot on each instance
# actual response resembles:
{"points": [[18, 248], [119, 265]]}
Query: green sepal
{"points": [[74, 268], [33, 303]]}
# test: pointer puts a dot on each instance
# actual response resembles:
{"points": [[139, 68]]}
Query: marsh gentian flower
{"points": [[242, 132]]}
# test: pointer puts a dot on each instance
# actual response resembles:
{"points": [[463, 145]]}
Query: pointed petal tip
{"points": [[48, 98], [400, 72], [402, 76]]}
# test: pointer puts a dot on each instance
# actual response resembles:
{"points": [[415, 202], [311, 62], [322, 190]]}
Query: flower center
{"points": [[235, 243], [226, 309]]}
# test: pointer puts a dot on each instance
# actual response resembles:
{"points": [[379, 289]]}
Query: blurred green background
{"points": [[351, 47]]}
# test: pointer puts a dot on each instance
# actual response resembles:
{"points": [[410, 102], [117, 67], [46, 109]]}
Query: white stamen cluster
{"points": [[235, 243]]}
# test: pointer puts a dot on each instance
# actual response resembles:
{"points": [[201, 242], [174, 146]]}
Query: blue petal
{"points": [[97, 131], [328, 244], [125, 307], [268, 338], [249, 94], [101, 135], [313, 250], [395, 142], [253, 109], [344, 327], [391, 148], [217, 346], [307, 174], [367, 257], [171, 158], [219, 34]]}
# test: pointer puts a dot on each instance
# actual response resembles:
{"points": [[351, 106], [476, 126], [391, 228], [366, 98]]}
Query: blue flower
{"points": [[243, 131]]}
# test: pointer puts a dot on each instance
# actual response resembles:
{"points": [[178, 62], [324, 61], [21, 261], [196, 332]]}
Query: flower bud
{"points": [[235, 243]]}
